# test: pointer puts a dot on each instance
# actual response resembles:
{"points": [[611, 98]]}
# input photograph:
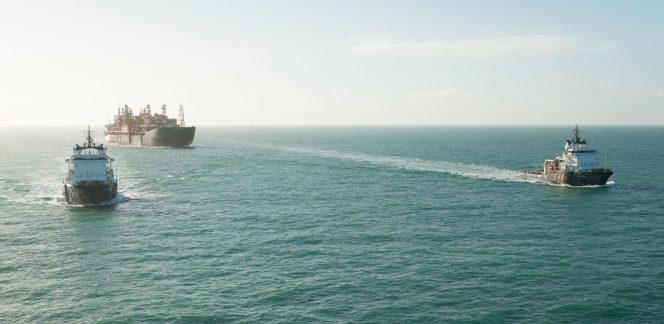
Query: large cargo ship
{"points": [[147, 129]]}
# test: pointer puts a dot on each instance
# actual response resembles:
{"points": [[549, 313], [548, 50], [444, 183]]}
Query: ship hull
{"points": [[593, 177], [162, 136], [90, 193]]}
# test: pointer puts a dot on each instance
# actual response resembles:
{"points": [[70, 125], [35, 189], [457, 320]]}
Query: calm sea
{"points": [[335, 224]]}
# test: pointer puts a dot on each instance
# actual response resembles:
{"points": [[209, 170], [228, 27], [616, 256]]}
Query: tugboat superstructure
{"points": [[90, 179], [579, 165], [147, 129]]}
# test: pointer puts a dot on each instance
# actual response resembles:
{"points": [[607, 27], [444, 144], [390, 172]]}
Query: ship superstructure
{"points": [[148, 129], [90, 179], [578, 165]]}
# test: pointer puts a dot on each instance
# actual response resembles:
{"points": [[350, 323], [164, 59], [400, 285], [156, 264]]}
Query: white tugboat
{"points": [[90, 179], [579, 165]]}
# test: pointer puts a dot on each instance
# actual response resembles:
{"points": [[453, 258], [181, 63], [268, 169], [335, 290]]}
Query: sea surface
{"points": [[335, 224]]}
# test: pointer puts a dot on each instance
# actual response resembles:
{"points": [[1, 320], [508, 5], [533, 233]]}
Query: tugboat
{"points": [[579, 165], [90, 179], [147, 129]]}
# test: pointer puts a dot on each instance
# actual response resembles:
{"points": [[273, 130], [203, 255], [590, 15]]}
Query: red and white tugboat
{"points": [[579, 165], [90, 180]]}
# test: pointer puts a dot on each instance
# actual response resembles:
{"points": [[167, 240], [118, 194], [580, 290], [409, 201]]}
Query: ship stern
{"points": [[169, 136]]}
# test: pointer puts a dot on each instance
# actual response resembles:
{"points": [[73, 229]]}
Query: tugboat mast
{"points": [[88, 138], [577, 138]]}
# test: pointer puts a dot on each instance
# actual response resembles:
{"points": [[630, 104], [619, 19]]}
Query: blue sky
{"points": [[334, 62]]}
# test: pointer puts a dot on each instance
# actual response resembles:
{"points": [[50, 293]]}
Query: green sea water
{"points": [[335, 224]]}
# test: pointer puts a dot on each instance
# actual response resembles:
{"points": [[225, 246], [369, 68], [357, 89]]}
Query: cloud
{"points": [[588, 93], [511, 46], [574, 93], [445, 93], [659, 93]]}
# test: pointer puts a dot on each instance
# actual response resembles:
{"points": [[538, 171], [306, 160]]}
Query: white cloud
{"points": [[588, 93], [511, 46], [576, 93], [659, 93], [445, 93]]}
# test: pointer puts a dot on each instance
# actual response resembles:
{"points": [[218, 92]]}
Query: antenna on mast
{"points": [[576, 134], [88, 137], [181, 116], [577, 138]]}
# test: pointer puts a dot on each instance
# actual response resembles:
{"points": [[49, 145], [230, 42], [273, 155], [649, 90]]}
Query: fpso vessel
{"points": [[147, 129], [579, 165]]}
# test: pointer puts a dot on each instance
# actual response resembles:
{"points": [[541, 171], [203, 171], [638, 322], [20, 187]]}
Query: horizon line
{"points": [[353, 125]]}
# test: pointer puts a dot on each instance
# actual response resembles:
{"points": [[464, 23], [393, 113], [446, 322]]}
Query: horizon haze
{"points": [[296, 63]]}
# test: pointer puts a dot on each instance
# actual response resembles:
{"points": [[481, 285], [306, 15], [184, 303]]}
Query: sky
{"points": [[72, 63]]}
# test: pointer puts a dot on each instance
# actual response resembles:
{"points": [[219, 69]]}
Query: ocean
{"points": [[335, 224]]}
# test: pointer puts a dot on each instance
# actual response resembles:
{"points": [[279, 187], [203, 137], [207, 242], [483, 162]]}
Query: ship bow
{"points": [[91, 193], [594, 177]]}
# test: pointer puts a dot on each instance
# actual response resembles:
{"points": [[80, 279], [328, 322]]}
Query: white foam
{"points": [[40, 195], [413, 164]]}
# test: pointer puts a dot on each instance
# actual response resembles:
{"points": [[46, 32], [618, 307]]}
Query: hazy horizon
{"points": [[581, 126], [343, 63]]}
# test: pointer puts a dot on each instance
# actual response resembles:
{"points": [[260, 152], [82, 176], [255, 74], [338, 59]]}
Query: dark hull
{"points": [[595, 177], [91, 193], [162, 136]]}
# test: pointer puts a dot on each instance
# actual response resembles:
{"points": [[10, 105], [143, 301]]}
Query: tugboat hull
{"points": [[595, 177], [91, 193], [162, 136]]}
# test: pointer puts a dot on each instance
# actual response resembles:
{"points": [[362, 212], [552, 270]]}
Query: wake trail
{"points": [[405, 163], [414, 164]]}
